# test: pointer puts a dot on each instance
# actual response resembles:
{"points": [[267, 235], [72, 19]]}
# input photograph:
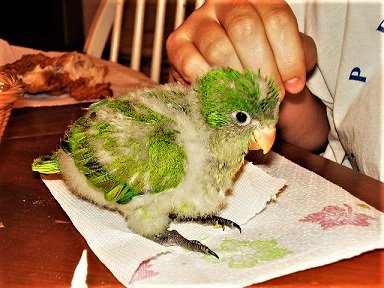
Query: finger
{"points": [[176, 77], [310, 51], [185, 58], [283, 35], [216, 48], [246, 32]]}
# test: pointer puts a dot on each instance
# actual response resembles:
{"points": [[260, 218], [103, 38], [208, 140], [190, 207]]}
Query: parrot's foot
{"points": [[172, 237], [210, 220]]}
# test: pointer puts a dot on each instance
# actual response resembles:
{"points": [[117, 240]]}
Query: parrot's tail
{"points": [[46, 164]]}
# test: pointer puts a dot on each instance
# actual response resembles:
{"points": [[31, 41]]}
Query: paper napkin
{"points": [[312, 223]]}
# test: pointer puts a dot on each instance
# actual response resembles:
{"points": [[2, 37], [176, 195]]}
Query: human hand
{"points": [[254, 34]]}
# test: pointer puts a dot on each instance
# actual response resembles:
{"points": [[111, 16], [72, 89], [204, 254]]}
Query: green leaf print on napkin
{"points": [[247, 254]]}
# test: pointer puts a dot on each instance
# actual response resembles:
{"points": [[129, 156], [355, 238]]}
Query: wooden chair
{"points": [[109, 17]]}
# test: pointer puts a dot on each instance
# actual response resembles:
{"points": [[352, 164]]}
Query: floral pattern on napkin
{"points": [[247, 253], [144, 271], [332, 216]]}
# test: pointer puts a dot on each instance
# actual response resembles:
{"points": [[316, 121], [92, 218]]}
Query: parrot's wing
{"points": [[125, 149]]}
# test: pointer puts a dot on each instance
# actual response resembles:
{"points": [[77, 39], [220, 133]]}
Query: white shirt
{"points": [[349, 78]]}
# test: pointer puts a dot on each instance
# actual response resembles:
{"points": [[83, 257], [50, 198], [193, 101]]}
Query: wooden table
{"points": [[39, 246]]}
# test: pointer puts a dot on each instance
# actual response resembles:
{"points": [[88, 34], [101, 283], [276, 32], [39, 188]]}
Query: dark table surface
{"points": [[39, 246]]}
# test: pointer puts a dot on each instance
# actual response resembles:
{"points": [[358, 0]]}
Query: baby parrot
{"points": [[168, 153]]}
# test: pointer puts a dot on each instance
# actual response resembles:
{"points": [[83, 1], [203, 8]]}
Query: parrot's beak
{"points": [[263, 139]]}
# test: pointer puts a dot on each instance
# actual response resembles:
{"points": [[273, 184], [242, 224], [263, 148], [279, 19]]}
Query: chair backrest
{"points": [[109, 17]]}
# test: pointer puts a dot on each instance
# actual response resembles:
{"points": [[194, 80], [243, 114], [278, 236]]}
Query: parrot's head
{"points": [[247, 103]]}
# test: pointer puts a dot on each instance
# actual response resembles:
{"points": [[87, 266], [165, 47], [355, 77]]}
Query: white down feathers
{"points": [[197, 194]]}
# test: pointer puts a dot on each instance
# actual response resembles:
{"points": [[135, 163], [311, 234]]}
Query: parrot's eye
{"points": [[242, 118]]}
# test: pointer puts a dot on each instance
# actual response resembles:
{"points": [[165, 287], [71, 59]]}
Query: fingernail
{"points": [[294, 85]]}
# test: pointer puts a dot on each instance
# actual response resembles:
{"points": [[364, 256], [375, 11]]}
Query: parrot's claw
{"points": [[222, 222], [172, 237], [210, 220]]}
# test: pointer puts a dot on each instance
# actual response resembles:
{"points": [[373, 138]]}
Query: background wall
{"points": [[43, 24]]}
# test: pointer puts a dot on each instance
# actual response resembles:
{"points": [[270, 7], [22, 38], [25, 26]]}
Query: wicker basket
{"points": [[11, 89]]}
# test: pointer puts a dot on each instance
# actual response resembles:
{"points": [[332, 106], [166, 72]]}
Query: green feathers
{"points": [[133, 153], [223, 91], [166, 165], [168, 138], [46, 164]]}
